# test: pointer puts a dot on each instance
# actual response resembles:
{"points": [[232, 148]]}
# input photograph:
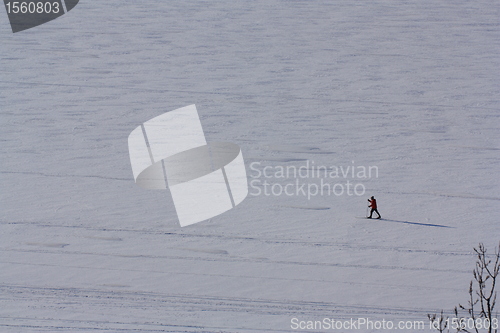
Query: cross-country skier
{"points": [[373, 205]]}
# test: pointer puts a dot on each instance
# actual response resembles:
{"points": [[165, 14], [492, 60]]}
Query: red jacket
{"points": [[373, 203]]}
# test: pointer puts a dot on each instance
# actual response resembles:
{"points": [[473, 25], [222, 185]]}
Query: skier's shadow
{"points": [[419, 223]]}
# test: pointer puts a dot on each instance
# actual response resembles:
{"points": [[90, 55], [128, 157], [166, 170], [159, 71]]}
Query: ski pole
{"points": [[367, 208]]}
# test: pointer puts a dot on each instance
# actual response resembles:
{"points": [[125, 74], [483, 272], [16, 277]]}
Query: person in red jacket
{"points": [[373, 205]]}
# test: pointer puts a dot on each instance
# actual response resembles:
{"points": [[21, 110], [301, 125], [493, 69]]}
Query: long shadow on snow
{"points": [[418, 223]]}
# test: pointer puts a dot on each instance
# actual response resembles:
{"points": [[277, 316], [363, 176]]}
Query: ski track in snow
{"points": [[410, 87], [347, 246], [157, 302]]}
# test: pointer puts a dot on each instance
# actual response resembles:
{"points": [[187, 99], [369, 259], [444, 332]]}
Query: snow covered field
{"points": [[410, 87]]}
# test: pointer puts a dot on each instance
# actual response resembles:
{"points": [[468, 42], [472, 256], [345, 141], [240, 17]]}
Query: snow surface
{"points": [[411, 87]]}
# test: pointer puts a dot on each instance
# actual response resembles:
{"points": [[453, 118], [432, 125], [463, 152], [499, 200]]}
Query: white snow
{"points": [[411, 87]]}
